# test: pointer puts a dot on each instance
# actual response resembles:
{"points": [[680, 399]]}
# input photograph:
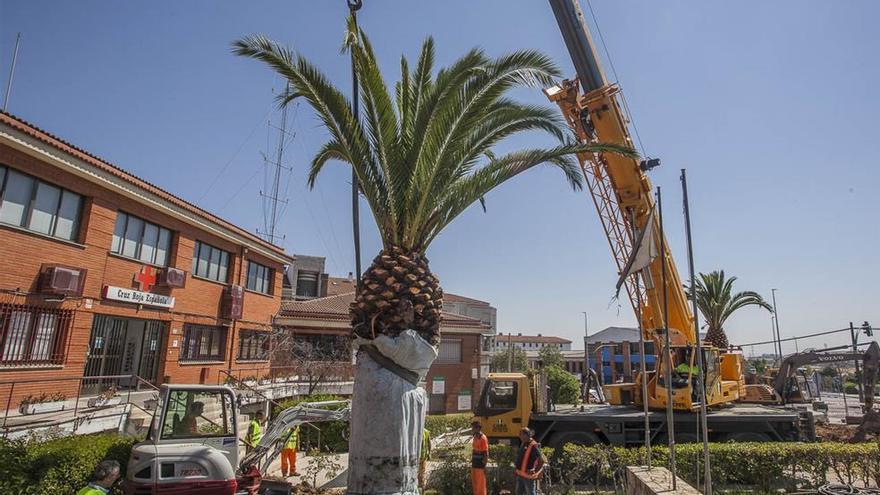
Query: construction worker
{"points": [[288, 453], [424, 455], [103, 478], [479, 459], [188, 425], [254, 432], [529, 464]]}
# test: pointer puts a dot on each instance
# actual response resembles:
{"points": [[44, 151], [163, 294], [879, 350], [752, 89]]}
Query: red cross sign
{"points": [[146, 278]]}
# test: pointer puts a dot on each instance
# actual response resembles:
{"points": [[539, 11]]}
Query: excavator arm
{"points": [[792, 362], [270, 447]]}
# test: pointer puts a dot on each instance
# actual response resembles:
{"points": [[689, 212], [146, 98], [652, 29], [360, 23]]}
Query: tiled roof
{"points": [[339, 285], [66, 147], [527, 339], [335, 307]]}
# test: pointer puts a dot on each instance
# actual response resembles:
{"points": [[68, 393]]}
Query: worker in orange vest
{"points": [[529, 464], [479, 459]]}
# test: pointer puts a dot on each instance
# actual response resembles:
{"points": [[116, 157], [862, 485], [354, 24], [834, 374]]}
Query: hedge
{"points": [[333, 435], [452, 476], [62, 465], [761, 466], [440, 424]]}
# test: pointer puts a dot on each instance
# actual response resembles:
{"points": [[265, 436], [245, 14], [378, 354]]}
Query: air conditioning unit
{"points": [[172, 277], [61, 280], [233, 302]]}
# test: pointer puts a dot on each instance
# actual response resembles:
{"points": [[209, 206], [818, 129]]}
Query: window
{"points": [[253, 345], [140, 240], [497, 397], [307, 284], [450, 351], [192, 414], [210, 262], [203, 343], [32, 335], [259, 278], [38, 206]]}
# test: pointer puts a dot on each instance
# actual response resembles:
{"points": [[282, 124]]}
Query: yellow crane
{"points": [[624, 199]]}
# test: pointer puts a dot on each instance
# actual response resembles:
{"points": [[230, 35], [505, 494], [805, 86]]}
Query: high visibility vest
{"points": [[293, 439], [425, 452], [91, 490], [523, 471], [685, 368], [254, 433]]}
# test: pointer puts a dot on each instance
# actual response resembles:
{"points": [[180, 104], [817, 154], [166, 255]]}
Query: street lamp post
{"points": [[587, 359], [776, 320]]}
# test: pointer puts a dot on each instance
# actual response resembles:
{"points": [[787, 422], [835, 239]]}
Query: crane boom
{"points": [[620, 187], [624, 199]]}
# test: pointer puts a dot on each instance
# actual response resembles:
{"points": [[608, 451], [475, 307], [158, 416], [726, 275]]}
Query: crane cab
{"points": [[192, 444], [722, 378], [505, 405]]}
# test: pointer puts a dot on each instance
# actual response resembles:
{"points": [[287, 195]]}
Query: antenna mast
{"points": [[272, 213]]}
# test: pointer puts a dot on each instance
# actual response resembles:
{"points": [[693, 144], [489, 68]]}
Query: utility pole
{"points": [[707, 473], [855, 346], [776, 320], [11, 71], [642, 365], [667, 347], [353, 7], [587, 359]]}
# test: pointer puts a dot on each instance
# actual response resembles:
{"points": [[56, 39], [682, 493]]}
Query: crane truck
{"points": [[192, 445], [623, 196]]}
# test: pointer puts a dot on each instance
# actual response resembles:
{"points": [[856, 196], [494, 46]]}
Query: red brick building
{"points": [[103, 273], [453, 379]]}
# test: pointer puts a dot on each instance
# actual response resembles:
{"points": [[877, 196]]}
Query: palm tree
{"points": [[717, 302], [421, 156]]}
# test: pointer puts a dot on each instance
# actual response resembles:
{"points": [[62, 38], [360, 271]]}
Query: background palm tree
{"points": [[717, 302], [422, 156]]}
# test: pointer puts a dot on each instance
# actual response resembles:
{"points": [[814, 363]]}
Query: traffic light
{"points": [[866, 327]]}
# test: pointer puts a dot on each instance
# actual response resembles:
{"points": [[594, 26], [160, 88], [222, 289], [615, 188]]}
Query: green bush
{"points": [[564, 387], [850, 388], [56, 466], [332, 436], [439, 424], [763, 466]]}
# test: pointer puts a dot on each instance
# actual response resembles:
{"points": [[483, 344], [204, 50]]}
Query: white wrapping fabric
{"points": [[387, 418]]}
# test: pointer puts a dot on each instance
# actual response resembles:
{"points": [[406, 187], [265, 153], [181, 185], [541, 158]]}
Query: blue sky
{"points": [[771, 106]]}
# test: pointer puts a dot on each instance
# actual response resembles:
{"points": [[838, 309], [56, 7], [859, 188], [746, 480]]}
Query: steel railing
{"points": [[113, 382]]}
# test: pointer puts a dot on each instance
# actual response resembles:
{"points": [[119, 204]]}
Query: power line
{"points": [[234, 156], [801, 337]]}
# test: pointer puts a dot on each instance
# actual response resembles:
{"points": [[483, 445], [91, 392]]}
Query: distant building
{"points": [[614, 353], [473, 308], [530, 342], [305, 278], [323, 323]]}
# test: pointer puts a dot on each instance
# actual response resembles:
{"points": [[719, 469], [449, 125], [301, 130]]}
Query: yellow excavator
{"points": [[623, 196]]}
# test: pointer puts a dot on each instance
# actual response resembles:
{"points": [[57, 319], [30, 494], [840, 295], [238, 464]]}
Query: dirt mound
{"points": [[840, 433]]}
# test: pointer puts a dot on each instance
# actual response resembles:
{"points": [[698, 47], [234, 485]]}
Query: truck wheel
{"points": [[584, 438], [748, 436]]}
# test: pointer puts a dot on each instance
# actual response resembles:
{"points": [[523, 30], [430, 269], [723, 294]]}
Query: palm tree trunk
{"points": [[387, 420]]}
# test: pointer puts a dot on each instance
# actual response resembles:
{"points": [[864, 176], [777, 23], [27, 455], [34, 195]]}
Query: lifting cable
{"points": [[629, 114]]}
